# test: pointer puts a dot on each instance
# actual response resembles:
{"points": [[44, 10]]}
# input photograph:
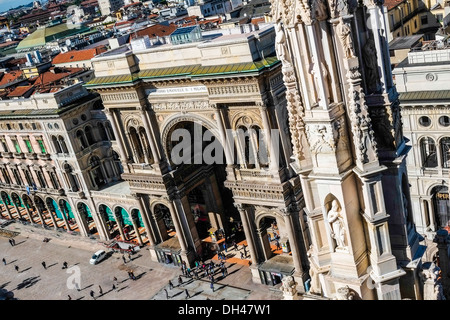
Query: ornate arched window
{"points": [[89, 135], [445, 152], [56, 144], [82, 139], [428, 152], [71, 177]]}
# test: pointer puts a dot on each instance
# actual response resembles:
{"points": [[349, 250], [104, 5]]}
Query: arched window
{"points": [[137, 146], [261, 148], [89, 135], [29, 177], [96, 172], [6, 176], [102, 131], [428, 152], [82, 140], [41, 179], [71, 177], [54, 180], [63, 144], [56, 144], [117, 162], [110, 131], [146, 146], [445, 152], [17, 176]]}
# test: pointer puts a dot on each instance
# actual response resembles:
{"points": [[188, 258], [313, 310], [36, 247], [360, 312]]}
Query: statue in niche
{"points": [[370, 61], [339, 7], [344, 33], [319, 10], [336, 222], [281, 45], [325, 77]]}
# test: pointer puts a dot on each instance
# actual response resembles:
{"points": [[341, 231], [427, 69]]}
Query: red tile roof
{"points": [[390, 4], [52, 77], [11, 76], [78, 55], [157, 30], [21, 91]]}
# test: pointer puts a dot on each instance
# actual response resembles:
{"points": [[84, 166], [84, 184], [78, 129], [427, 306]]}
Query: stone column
{"points": [[148, 130], [223, 134], [28, 212], [293, 242], [274, 154], [248, 233], [178, 227], [110, 115], [55, 225], [66, 222], [7, 209], [145, 215]]}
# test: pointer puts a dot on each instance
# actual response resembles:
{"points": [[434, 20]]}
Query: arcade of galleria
{"points": [[303, 123]]}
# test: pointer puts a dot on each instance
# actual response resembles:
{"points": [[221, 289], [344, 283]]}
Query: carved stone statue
{"points": [[319, 10], [288, 288], [281, 45], [344, 33], [337, 225], [370, 61]]}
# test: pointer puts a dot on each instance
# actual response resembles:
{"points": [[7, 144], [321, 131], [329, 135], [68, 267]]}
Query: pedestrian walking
{"points": [[212, 286], [16, 267], [4, 261], [242, 256], [44, 265], [180, 280], [225, 246], [69, 297], [187, 293], [129, 256], [277, 244], [167, 294], [92, 294], [11, 242], [170, 285], [77, 286], [100, 290], [114, 287], [124, 260], [64, 265]]}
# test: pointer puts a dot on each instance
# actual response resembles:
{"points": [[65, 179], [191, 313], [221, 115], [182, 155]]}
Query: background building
{"points": [[422, 80]]}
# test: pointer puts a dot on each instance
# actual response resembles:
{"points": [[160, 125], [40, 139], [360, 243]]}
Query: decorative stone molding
{"points": [[233, 89], [122, 96], [182, 106], [321, 138]]}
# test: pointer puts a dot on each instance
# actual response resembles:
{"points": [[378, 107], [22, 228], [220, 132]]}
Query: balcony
{"points": [[19, 155], [31, 155], [7, 155], [45, 156], [142, 168]]}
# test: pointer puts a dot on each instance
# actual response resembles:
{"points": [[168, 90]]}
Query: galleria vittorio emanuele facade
{"points": [[289, 134]]}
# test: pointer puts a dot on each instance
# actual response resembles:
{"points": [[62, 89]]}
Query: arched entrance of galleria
{"points": [[197, 160]]}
